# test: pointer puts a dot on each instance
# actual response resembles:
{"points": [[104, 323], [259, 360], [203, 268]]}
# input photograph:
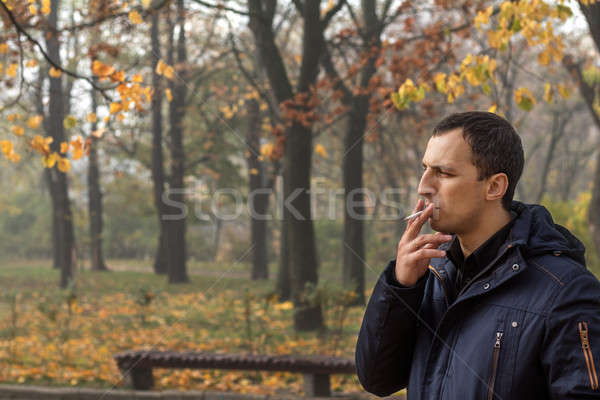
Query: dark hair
{"points": [[495, 145]]}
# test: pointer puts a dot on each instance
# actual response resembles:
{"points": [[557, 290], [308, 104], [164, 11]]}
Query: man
{"points": [[504, 307]]}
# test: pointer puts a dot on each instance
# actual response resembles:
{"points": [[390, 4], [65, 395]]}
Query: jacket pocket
{"points": [[587, 353], [495, 358]]}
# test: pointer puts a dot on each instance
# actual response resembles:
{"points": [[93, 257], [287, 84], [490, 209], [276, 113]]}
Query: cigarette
{"points": [[414, 215]]}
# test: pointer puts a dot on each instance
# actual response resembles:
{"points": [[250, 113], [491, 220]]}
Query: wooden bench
{"points": [[136, 366]]}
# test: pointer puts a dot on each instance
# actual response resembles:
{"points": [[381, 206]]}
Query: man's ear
{"points": [[497, 186]]}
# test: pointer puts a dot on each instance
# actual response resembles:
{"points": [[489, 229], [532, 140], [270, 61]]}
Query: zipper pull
{"points": [[498, 340], [584, 336]]}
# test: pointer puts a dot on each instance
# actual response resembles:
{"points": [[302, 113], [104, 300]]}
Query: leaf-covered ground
{"points": [[68, 337]]}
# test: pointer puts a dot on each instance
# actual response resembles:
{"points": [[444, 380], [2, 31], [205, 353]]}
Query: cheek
{"points": [[460, 198]]}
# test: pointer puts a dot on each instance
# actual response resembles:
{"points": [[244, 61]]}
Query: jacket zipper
{"points": [[495, 358], [437, 274], [587, 352]]}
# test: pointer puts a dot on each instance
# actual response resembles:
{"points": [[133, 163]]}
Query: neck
{"points": [[494, 221]]}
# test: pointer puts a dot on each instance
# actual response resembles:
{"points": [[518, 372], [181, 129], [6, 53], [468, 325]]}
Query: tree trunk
{"points": [[158, 173], [353, 270], [558, 129], [57, 180], [177, 272], [95, 199], [258, 198], [283, 287], [303, 264]]}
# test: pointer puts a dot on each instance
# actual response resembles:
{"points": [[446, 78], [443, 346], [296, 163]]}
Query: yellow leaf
{"points": [[266, 149], [169, 95], [77, 145], [120, 117], [287, 305], [17, 130], [91, 117], [524, 99], [137, 78], [77, 153], [483, 17], [6, 146], [41, 144], [3, 48], [115, 107], [548, 92], [160, 67], [32, 9], [146, 3], [564, 91], [117, 76], [64, 147], [49, 160], [31, 63], [544, 57], [168, 73], [493, 108], [12, 70], [98, 133], [70, 122], [320, 150], [135, 17], [440, 82], [102, 70], [64, 165], [253, 171], [35, 121], [46, 7], [14, 157], [54, 72]]}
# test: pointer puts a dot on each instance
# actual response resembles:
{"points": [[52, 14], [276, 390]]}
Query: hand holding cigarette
{"points": [[414, 250]]}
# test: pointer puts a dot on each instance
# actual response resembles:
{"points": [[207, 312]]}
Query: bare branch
{"points": [[221, 7], [331, 13]]}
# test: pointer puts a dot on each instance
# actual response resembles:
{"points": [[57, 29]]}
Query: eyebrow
{"points": [[440, 167]]}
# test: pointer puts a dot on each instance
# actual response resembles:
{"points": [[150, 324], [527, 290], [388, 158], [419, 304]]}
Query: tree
{"points": [[588, 90], [95, 209], [57, 179], [299, 106], [158, 174], [177, 272]]}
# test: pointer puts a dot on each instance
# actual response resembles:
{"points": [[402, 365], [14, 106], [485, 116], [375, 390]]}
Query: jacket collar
{"points": [[533, 233]]}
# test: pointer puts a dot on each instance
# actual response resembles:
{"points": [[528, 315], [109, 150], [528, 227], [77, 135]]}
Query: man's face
{"points": [[450, 180]]}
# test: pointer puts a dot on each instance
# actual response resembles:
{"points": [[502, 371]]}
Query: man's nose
{"points": [[425, 187]]}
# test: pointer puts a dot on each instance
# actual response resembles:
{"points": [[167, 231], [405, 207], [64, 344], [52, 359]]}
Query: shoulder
{"points": [[558, 268]]}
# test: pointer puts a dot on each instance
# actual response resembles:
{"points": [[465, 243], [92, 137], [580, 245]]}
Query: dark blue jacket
{"points": [[529, 328]]}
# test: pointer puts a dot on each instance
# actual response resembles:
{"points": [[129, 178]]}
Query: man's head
{"points": [[471, 167]]}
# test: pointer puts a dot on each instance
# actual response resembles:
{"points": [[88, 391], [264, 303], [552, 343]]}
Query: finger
{"points": [[414, 228], [432, 239], [434, 245], [418, 207], [425, 254]]}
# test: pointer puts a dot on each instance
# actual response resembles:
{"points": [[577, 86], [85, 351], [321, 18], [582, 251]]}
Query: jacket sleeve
{"points": [[571, 347], [388, 332]]}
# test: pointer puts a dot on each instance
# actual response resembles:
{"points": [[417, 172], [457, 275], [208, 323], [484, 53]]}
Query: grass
{"points": [[69, 337]]}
